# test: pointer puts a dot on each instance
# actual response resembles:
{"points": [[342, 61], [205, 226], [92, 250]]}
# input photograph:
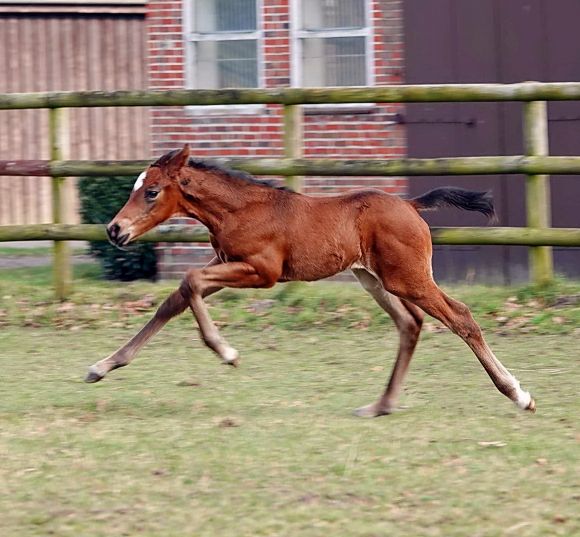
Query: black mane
{"points": [[214, 167]]}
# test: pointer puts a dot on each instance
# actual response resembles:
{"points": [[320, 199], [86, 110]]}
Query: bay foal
{"points": [[263, 235]]}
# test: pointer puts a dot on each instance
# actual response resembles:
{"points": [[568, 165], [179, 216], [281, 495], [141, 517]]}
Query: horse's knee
{"points": [[412, 328], [191, 284]]}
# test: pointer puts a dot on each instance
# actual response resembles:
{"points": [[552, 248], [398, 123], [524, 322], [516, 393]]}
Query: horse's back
{"points": [[327, 235], [378, 211]]}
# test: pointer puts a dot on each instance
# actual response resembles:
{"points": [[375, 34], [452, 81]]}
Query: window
{"points": [[332, 43], [223, 43]]}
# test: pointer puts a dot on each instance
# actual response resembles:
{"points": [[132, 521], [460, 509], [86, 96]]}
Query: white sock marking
{"points": [[230, 355], [524, 398]]}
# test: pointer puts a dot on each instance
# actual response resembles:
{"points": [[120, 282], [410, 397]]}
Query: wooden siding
{"points": [[492, 41], [68, 52]]}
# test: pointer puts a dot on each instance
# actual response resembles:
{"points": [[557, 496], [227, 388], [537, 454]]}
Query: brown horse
{"points": [[263, 235]]}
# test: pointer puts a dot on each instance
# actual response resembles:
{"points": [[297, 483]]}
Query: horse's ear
{"points": [[179, 160]]}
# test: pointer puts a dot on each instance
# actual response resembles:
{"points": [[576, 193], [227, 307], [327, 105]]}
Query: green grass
{"points": [[26, 299], [177, 444]]}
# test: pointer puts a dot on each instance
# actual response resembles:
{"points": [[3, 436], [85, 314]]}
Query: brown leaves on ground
{"points": [[123, 308], [76, 315], [525, 316], [65, 307], [144, 304]]}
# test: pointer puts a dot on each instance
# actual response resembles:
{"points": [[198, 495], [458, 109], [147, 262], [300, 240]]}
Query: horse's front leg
{"points": [[173, 305], [198, 282]]}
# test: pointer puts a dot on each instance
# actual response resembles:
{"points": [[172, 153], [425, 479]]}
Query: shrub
{"points": [[101, 198]]}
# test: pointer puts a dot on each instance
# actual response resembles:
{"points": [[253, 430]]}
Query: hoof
{"points": [[525, 401], [233, 363], [93, 376], [531, 406], [371, 411]]}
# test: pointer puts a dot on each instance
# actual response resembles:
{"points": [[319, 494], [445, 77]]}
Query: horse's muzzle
{"points": [[114, 236]]}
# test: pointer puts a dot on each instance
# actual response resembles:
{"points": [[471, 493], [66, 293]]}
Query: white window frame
{"points": [[297, 35], [191, 38]]}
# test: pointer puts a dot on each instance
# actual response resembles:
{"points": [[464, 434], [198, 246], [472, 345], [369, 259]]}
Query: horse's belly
{"points": [[318, 264]]}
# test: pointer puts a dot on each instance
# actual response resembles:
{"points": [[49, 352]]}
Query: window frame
{"points": [[190, 40], [298, 35], [296, 38]]}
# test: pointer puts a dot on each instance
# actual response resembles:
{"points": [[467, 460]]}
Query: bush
{"points": [[101, 198]]}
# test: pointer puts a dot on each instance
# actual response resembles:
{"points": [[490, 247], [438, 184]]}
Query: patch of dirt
{"points": [[228, 422]]}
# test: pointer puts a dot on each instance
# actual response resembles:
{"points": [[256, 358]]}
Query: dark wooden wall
{"points": [[471, 41]]}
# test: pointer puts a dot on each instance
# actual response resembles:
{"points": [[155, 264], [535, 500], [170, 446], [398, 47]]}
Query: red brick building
{"points": [[210, 44]]}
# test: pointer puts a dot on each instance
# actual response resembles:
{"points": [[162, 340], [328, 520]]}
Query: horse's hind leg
{"points": [[173, 305], [408, 319], [458, 318]]}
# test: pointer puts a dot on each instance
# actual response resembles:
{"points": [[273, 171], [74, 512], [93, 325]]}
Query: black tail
{"points": [[457, 197]]}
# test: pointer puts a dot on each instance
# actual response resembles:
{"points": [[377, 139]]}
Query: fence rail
{"points": [[516, 236], [535, 164], [509, 165], [421, 93]]}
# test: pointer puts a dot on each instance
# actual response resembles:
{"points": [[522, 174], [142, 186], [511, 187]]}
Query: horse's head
{"points": [[155, 198]]}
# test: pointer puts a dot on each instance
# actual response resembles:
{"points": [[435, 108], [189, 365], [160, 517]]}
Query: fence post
{"points": [[58, 137], [293, 144], [293, 141], [538, 189]]}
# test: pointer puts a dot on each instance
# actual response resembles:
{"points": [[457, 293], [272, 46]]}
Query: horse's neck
{"points": [[210, 199]]}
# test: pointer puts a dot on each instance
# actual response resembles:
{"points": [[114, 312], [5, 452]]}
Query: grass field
{"points": [[177, 444]]}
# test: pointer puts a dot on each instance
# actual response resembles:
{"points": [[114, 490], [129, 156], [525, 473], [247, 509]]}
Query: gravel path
{"points": [[16, 261]]}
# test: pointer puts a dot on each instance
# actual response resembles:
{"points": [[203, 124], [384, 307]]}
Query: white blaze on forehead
{"points": [[139, 182]]}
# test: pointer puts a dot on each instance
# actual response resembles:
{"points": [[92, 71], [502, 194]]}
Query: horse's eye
{"points": [[150, 195]]}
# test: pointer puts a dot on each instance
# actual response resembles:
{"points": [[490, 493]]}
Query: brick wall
{"points": [[351, 132]]}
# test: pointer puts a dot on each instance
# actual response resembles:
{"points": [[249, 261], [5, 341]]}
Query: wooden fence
{"points": [[536, 164]]}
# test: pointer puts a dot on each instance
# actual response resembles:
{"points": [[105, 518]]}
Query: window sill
{"points": [[225, 110], [257, 109], [335, 109]]}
